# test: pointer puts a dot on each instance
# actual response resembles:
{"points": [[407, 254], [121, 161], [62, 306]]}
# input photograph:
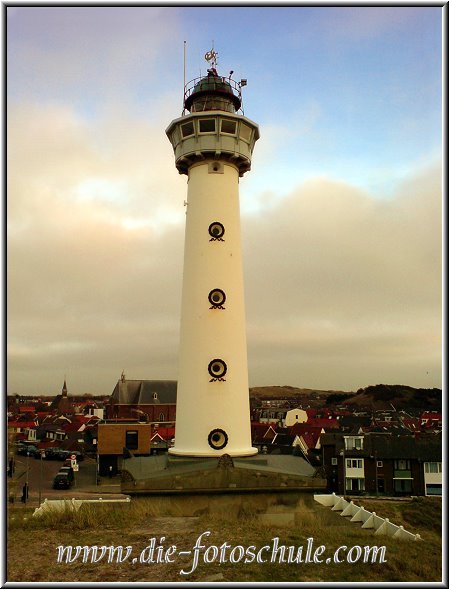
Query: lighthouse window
{"points": [[207, 125], [217, 369], [228, 126], [217, 298], [216, 231], [175, 137], [245, 132], [187, 129], [217, 439]]}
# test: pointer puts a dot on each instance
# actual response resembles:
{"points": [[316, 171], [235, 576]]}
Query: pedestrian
{"points": [[110, 471], [24, 493]]}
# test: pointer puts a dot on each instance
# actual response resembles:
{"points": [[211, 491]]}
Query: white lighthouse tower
{"points": [[213, 145]]}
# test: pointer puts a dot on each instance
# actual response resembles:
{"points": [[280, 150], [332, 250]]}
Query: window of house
{"points": [[355, 484], [353, 443], [161, 417], [402, 485], [434, 489], [207, 125], [354, 463], [154, 395], [380, 464], [334, 461], [402, 464], [132, 439], [432, 467]]}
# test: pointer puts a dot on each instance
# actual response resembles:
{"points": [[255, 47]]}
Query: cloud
{"points": [[88, 53], [342, 290], [343, 281], [95, 242]]}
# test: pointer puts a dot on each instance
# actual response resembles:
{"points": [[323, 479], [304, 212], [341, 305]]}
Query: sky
{"points": [[341, 213]]}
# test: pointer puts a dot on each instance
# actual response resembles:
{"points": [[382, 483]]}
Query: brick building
{"points": [[382, 463], [147, 400]]}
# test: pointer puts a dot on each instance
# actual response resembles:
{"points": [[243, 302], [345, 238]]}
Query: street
{"points": [[40, 477]]}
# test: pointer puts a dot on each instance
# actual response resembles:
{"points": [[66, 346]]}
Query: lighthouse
{"points": [[213, 144]]}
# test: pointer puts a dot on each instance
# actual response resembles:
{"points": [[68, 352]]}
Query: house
{"points": [[23, 426], [162, 439], [433, 478], [115, 438], [262, 434], [282, 443], [431, 420], [307, 438], [381, 463], [295, 416], [61, 404], [273, 415], [149, 400]]}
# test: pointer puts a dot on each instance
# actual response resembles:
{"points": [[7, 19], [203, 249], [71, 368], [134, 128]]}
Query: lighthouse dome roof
{"points": [[212, 85]]}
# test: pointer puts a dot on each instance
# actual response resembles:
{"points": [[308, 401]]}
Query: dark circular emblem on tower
{"points": [[217, 369], [217, 298], [217, 439], [216, 231]]}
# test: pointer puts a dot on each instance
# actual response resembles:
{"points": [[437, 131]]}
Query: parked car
{"points": [[28, 449], [62, 481], [60, 454], [68, 470], [52, 453]]}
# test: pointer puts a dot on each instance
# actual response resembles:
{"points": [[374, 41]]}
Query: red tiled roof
{"points": [[71, 427], [166, 433], [26, 409], [21, 424], [411, 425], [300, 428], [324, 423], [310, 439], [259, 425]]}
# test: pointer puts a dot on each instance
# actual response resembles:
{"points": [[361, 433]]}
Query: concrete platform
{"points": [[165, 474]]}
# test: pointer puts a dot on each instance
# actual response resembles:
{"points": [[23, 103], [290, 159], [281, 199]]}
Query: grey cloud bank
{"points": [[342, 290], [342, 285]]}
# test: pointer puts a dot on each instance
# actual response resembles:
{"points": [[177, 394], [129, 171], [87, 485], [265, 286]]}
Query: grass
{"points": [[32, 542]]}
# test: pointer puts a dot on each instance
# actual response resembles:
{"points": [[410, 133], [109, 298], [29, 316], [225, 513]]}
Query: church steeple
{"points": [[64, 389]]}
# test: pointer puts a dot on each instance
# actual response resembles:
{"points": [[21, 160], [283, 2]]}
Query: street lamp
{"points": [[40, 478], [26, 478]]}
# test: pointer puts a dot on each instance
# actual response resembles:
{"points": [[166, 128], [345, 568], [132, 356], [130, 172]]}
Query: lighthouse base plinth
{"points": [[195, 454], [168, 474]]}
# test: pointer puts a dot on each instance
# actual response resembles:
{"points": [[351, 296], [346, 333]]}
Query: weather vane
{"points": [[211, 56]]}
